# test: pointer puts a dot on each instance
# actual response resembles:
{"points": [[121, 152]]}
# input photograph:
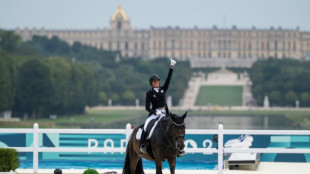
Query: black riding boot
{"points": [[142, 142]]}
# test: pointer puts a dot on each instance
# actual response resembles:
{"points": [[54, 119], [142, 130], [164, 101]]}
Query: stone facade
{"points": [[197, 44]]}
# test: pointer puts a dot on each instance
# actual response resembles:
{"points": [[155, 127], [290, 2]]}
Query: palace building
{"points": [[204, 47]]}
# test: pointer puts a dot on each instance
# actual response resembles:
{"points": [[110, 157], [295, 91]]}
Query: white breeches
{"points": [[151, 117]]}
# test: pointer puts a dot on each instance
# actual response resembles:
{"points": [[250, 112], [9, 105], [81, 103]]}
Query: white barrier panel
{"points": [[108, 144]]}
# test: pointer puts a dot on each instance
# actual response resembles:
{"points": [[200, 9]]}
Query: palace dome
{"points": [[119, 14]]}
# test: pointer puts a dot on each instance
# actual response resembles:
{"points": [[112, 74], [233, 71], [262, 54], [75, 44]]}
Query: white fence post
{"points": [[220, 148], [35, 148]]}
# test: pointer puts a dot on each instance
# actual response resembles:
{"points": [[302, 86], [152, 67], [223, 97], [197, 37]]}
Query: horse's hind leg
{"points": [[172, 162]]}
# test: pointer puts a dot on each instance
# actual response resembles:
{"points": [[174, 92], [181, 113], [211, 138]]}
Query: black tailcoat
{"points": [[158, 99]]}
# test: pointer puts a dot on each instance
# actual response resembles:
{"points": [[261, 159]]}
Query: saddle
{"points": [[149, 129], [149, 132]]}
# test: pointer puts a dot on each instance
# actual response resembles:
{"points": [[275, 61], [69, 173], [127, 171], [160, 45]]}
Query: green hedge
{"points": [[9, 159], [90, 171]]}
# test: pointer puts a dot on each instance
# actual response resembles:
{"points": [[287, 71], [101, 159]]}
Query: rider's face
{"points": [[155, 83]]}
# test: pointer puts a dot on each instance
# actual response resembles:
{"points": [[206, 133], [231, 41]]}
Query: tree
{"points": [[103, 98], [115, 98], [290, 97], [34, 88], [129, 97], [287, 76], [7, 82], [305, 99], [275, 98], [9, 41], [61, 78]]}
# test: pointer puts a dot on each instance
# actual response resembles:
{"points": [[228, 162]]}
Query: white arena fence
{"points": [[205, 150]]}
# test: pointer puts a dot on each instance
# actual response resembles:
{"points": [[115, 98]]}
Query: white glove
{"points": [[158, 112], [172, 62]]}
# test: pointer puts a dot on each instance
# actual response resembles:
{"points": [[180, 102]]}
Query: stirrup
{"points": [[142, 149]]}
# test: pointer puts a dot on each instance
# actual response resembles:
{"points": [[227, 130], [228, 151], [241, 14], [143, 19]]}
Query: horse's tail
{"points": [[126, 169], [139, 168]]}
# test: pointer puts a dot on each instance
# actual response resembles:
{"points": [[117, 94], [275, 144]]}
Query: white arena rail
{"points": [[205, 150]]}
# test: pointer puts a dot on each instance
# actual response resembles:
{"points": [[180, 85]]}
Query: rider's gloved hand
{"points": [[158, 112], [172, 62]]}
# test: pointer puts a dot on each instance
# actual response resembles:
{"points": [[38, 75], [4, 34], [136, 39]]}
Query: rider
{"points": [[157, 97]]}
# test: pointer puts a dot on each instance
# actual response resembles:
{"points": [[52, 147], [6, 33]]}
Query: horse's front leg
{"points": [[159, 166], [172, 162]]}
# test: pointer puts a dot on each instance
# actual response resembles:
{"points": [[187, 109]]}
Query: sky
{"points": [[94, 14]]}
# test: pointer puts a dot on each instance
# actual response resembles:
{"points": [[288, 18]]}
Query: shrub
{"points": [[9, 159], [90, 171]]}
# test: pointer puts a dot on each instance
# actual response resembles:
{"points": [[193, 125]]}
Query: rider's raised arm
{"points": [[167, 82]]}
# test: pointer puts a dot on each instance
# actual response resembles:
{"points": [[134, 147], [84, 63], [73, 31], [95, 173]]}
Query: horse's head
{"points": [[178, 129]]}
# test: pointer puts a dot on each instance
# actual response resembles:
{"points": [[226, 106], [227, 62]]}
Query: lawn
{"points": [[219, 95], [96, 116], [109, 116]]}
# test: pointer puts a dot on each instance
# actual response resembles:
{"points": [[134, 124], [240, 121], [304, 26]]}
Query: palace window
{"points": [[275, 45], [119, 25], [126, 45], [118, 45], [110, 45], [142, 46]]}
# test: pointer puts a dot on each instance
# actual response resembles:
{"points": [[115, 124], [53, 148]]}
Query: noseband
{"points": [[179, 126]]}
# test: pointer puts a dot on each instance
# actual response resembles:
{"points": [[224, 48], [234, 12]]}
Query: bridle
{"points": [[179, 126], [173, 144]]}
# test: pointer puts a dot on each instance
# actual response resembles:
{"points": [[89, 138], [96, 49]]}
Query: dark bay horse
{"points": [[167, 140]]}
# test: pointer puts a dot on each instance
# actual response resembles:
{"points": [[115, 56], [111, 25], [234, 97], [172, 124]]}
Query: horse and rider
{"points": [[161, 137], [157, 97]]}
